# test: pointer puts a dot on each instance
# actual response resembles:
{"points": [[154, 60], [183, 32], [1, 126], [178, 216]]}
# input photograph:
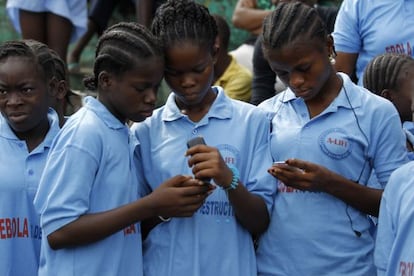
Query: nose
{"points": [[13, 98], [296, 80], [187, 80], [151, 95]]}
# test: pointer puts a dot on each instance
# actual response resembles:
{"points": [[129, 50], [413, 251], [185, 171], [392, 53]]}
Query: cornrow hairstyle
{"points": [[120, 48], [183, 20], [290, 21], [382, 72], [34, 50]]}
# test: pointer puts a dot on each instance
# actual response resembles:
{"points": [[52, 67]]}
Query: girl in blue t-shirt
{"points": [[216, 240], [330, 134], [27, 128], [89, 195]]}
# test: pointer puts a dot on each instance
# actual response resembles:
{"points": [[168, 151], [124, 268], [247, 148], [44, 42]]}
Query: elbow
{"points": [[260, 228], [55, 241], [236, 20]]}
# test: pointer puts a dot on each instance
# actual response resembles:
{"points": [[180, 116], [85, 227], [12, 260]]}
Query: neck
{"points": [[196, 112], [34, 136], [328, 93]]}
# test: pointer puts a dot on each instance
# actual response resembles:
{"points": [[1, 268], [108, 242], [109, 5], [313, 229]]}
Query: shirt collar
{"points": [[347, 97], [221, 107], [7, 132], [103, 113]]}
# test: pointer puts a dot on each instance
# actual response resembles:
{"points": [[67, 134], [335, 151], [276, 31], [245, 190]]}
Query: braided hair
{"points": [[120, 48], [182, 20], [34, 50], [382, 72], [290, 21]]}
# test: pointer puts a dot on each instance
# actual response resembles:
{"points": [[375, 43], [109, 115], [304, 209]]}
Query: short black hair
{"points": [[223, 30]]}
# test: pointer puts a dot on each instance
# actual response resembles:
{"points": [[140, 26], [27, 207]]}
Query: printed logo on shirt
{"points": [[400, 48], [406, 268], [221, 208], [282, 188], [229, 153], [335, 143], [217, 208], [130, 230], [17, 228]]}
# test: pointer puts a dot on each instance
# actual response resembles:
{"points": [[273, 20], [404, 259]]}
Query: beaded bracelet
{"points": [[234, 180]]}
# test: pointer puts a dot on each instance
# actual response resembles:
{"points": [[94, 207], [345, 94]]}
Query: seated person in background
{"points": [[235, 79], [265, 83], [390, 76], [248, 15]]}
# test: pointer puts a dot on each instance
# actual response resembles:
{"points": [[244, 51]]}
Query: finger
{"points": [[298, 163], [197, 149], [177, 181], [189, 191]]}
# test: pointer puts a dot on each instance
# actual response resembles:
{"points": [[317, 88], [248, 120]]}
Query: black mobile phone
{"points": [[198, 141]]}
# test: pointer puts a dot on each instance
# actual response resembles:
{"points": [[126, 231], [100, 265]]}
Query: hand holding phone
{"points": [[283, 164], [198, 141]]}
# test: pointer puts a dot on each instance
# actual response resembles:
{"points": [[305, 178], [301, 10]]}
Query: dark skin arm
{"points": [[250, 209], [179, 196], [248, 17], [307, 176], [345, 62]]}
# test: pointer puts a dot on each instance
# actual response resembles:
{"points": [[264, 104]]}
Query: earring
{"points": [[332, 59]]}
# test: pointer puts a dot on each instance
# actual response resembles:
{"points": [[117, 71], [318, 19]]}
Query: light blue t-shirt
{"points": [[20, 171], [211, 242], [90, 169], [373, 27], [394, 254], [313, 233]]}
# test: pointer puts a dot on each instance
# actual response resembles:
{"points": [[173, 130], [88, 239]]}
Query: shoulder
{"points": [[401, 180], [83, 129]]}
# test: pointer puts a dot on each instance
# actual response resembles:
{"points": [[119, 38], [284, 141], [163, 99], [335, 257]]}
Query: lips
{"points": [[147, 113], [302, 93], [17, 116]]}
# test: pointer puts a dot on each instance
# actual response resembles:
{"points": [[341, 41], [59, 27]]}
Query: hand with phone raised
{"points": [[207, 163]]}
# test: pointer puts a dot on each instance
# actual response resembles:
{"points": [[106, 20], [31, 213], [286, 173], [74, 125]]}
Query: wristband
{"points": [[164, 219], [234, 180]]}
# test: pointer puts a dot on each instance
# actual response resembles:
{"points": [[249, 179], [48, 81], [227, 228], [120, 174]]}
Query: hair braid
{"points": [[119, 47], [34, 50], [289, 21], [180, 20], [382, 72]]}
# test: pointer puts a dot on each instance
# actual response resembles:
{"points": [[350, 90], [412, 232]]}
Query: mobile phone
{"points": [[275, 163], [198, 141]]}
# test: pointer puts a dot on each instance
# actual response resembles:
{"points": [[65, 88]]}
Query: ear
{"points": [[330, 45], [216, 49], [52, 87], [388, 94], [104, 80], [62, 89]]}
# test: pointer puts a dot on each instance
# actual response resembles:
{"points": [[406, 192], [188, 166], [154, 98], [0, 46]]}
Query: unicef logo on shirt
{"points": [[335, 143], [229, 153]]}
